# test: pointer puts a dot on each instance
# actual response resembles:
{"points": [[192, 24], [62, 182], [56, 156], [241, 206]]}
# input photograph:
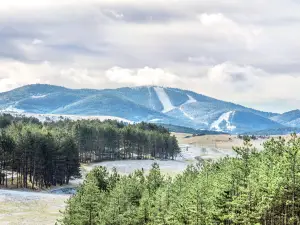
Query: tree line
{"points": [[257, 187], [37, 155], [97, 141]]}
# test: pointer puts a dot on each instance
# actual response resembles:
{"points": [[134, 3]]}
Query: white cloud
{"points": [[114, 13], [202, 60], [225, 27], [143, 76], [78, 76], [242, 84], [17, 74], [7, 84], [232, 73], [37, 42]]}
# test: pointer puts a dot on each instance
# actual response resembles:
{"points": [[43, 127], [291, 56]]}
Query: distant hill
{"points": [[154, 104], [290, 119], [276, 131]]}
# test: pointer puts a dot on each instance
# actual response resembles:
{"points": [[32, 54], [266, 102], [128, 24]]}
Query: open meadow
{"points": [[224, 141], [30, 208]]}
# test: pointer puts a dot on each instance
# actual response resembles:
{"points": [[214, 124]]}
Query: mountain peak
{"points": [[39, 88]]}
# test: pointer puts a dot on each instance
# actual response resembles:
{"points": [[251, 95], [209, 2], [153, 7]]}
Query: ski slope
{"points": [[168, 106], [164, 99], [190, 101], [225, 117]]}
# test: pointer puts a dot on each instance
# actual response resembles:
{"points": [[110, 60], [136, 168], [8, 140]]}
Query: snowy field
{"points": [[188, 156], [129, 166]]}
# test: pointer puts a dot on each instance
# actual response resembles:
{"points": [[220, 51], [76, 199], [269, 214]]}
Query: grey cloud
{"points": [[282, 68], [91, 37], [238, 77], [148, 15]]}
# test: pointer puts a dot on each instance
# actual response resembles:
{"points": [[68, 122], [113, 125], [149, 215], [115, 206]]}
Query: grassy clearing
{"points": [[30, 208], [225, 142]]}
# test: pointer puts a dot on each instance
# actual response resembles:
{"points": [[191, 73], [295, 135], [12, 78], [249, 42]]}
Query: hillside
{"points": [[260, 187], [291, 118], [276, 131], [147, 103]]}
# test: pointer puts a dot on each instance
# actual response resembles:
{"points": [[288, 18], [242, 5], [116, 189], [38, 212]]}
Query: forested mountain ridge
{"points": [[254, 188], [147, 103]]}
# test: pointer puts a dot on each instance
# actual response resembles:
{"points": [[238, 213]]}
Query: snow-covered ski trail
{"points": [[164, 99]]}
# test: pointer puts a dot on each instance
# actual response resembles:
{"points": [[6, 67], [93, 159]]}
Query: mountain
{"points": [[239, 121], [148, 103], [290, 119]]}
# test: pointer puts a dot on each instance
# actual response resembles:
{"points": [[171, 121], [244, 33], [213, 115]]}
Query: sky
{"points": [[246, 52]]}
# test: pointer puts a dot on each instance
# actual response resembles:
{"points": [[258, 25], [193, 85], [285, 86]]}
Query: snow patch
{"points": [[224, 117], [168, 106], [191, 100], [12, 109], [151, 105], [23, 195], [186, 115], [38, 96], [154, 120], [129, 166], [164, 99]]}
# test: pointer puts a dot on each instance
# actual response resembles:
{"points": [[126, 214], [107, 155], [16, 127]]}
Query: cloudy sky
{"points": [[247, 52]]}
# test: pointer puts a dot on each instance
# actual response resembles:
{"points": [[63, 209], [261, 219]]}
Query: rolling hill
{"points": [[290, 119], [147, 103]]}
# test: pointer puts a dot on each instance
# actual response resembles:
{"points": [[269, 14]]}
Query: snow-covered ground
{"points": [[38, 96], [129, 166], [57, 117], [225, 117], [25, 195], [191, 100], [167, 104], [164, 99], [189, 155]]}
